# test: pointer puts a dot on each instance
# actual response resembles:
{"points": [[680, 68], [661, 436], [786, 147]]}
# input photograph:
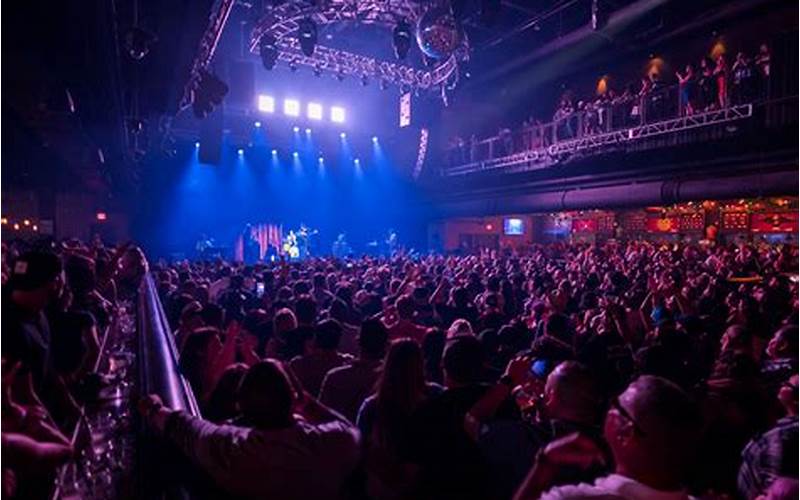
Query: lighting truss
{"points": [[207, 47], [282, 22], [543, 157]]}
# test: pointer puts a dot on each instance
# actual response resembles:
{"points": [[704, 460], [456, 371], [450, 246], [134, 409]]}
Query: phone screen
{"points": [[260, 289], [540, 368]]}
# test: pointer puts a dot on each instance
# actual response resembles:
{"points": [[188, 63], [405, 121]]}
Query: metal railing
{"points": [[624, 119]]}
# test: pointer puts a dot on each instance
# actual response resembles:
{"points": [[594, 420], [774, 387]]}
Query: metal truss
{"points": [[282, 23], [545, 156], [206, 49]]}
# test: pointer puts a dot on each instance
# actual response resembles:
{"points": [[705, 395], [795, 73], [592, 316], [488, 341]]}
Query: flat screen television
{"points": [[513, 227]]}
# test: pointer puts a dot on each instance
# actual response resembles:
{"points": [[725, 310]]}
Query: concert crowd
{"points": [[623, 370]]}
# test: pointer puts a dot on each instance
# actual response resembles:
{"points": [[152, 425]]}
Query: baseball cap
{"points": [[33, 270]]}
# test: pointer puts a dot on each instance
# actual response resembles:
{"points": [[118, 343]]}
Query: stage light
{"points": [[308, 131], [197, 144], [357, 161], [240, 152], [321, 159], [274, 152], [257, 124], [16, 227], [266, 103], [314, 111], [374, 138], [35, 228], [101, 216], [343, 135], [401, 39], [307, 35], [268, 49], [4, 221], [291, 107], [295, 154], [26, 222], [296, 129], [138, 42], [337, 114]]}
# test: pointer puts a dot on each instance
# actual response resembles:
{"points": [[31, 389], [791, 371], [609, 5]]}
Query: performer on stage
{"points": [[304, 235], [340, 247], [290, 247], [392, 241], [250, 250], [203, 245]]}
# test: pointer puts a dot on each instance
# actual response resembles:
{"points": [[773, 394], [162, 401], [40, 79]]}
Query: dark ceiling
{"points": [[71, 93]]}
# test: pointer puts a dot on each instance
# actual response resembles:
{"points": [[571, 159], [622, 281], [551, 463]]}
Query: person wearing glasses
{"points": [[651, 429], [774, 453]]}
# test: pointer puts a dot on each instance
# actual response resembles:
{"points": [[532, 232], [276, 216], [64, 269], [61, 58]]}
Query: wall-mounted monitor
{"points": [[513, 226]]}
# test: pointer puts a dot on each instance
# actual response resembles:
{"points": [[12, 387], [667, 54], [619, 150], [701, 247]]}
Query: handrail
{"points": [[158, 356]]}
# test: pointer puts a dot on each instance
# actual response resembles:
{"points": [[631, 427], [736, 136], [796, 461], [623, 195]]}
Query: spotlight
{"points": [[295, 154], [314, 111], [343, 135], [364, 80], [197, 144], [266, 103], [274, 152], [374, 138], [308, 131], [240, 151], [257, 124], [307, 35], [291, 107], [357, 161], [401, 39], [296, 128], [337, 114], [138, 43], [268, 49], [321, 159], [209, 92]]}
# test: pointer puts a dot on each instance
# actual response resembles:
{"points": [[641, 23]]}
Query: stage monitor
{"points": [[513, 227]]}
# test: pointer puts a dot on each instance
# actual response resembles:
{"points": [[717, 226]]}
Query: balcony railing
{"points": [[621, 121]]}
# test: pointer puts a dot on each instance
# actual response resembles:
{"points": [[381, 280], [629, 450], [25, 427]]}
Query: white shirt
{"points": [[612, 487]]}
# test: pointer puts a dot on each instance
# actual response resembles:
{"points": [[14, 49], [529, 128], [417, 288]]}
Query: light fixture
{"points": [[291, 107], [314, 111], [295, 154], [308, 131], [240, 152], [337, 114], [274, 152], [266, 103], [138, 42], [374, 138], [343, 135], [295, 129], [307, 35], [257, 124], [197, 144], [401, 39], [268, 49]]}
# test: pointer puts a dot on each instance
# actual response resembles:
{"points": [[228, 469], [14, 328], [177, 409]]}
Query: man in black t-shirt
{"points": [[36, 280]]}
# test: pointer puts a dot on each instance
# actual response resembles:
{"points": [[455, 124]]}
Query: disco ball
{"points": [[438, 34]]}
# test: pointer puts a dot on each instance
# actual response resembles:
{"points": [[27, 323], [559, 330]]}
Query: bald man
{"points": [[651, 428]]}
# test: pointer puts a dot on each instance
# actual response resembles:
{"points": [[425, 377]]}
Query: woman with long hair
{"points": [[384, 415], [200, 351]]}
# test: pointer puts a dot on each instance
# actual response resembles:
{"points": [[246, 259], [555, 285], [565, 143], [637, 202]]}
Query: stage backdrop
{"points": [[265, 235]]}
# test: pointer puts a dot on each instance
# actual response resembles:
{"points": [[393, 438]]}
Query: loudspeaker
{"points": [[211, 137], [241, 79]]}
